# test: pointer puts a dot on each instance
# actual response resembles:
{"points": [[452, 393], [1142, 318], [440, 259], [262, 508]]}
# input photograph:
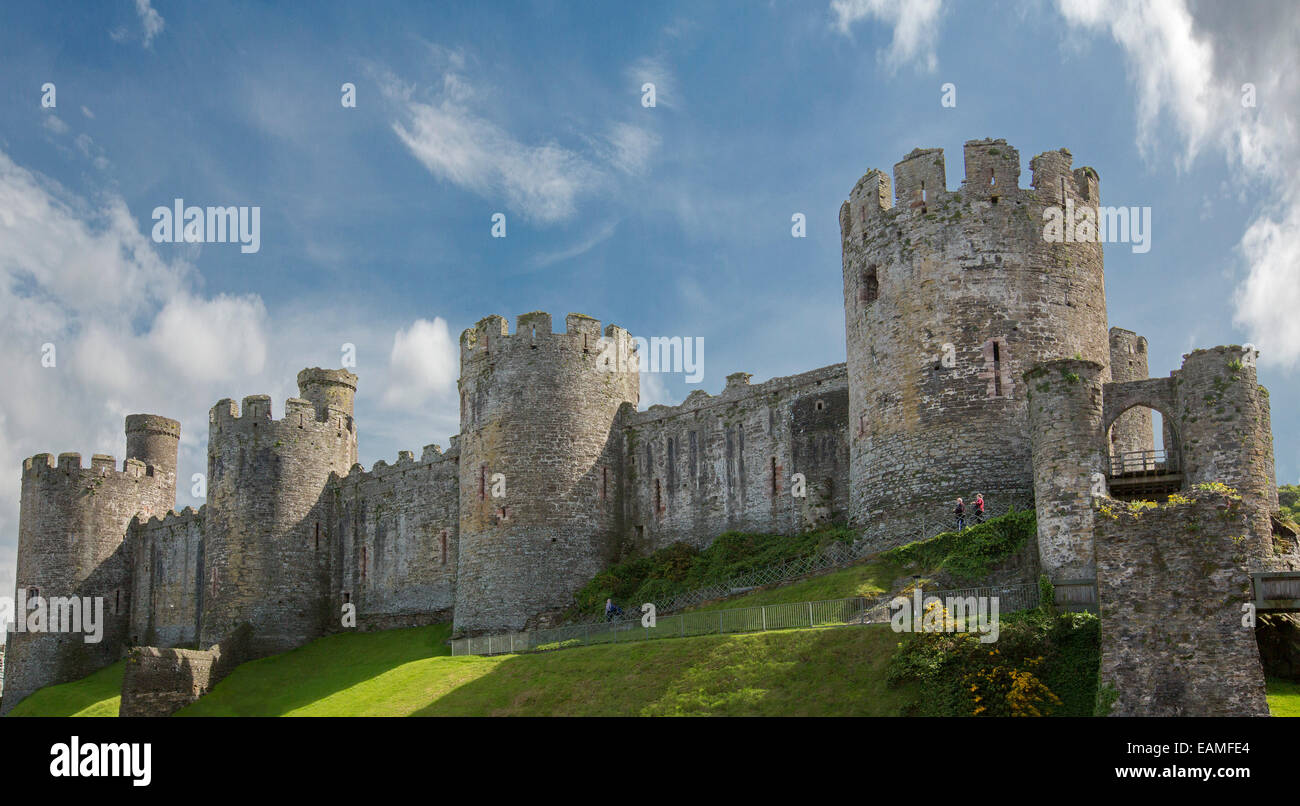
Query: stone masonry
{"points": [[978, 359]]}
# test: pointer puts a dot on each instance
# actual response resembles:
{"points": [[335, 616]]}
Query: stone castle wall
{"points": [[167, 579], [949, 297], [1133, 430], [715, 464], [396, 530], [267, 561], [1170, 648], [539, 408], [72, 543]]}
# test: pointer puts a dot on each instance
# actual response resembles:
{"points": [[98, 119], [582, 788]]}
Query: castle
{"points": [[979, 358]]}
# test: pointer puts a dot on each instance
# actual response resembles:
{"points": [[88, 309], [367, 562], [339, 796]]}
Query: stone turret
{"points": [[948, 298], [264, 560], [72, 528], [539, 461]]}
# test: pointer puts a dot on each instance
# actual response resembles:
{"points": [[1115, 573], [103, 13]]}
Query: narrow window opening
{"points": [[659, 503], [444, 547], [869, 287], [318, 535], [775, 485], [482, 482], [347, 597], [363, 562], [604, 483], [997, 370]]}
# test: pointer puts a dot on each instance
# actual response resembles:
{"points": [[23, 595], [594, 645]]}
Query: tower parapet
{"points": [[265, 561], [72, 543], [539, 409], [949, 297]]}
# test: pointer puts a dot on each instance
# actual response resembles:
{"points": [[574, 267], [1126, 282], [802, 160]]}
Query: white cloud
{"points": [[915, 23], [655, 70], [542, 182], [54, 124], [150, 19], [579, 248], [629, 148], [423, 366], [1189, 65]]}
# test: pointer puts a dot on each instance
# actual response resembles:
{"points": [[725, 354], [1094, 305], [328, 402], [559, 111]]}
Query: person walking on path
{"points": [[960, 512], [979, 507]]}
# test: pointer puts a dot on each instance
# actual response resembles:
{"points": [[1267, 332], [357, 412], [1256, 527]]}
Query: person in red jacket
{"points": [[979, 507]]}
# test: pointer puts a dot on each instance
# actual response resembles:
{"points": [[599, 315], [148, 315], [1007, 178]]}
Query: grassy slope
{"points": [[864, 579], [813, 672], [839, 671], [99, 694]]}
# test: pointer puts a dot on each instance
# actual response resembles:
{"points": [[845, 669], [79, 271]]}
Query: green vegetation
{"points": [[680, 568], [98, 694], [869, 579], [1288, 495], [1041, 665], [1283, 697], [797, 672], [970, 555]]}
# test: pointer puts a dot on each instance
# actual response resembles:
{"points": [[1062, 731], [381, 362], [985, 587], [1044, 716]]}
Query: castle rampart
{"points": [[718, 463], [540, 506], [167, 579], [72, 543], [397, 529], [265, 560]]}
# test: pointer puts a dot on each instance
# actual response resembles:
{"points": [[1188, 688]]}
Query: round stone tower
{"points": [[539, 465], [1065, 427], [267, 559], [949, 297], [72, 527]]}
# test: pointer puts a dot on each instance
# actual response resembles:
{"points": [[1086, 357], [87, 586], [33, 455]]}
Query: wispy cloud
{"points": [[1188, 65], [915, 23], [150, 19], [580, 248]]}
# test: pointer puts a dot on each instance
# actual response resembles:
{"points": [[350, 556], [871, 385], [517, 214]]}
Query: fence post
{"points": [[810, 618], [764, 609]]}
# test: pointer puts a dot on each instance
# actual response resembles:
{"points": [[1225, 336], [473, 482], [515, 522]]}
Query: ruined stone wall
{"points": [[1171, 581], [540, 409], [970, 269], [1065, 418], [267, 559], [1224, 422], [396, 530], [71, 543], [1133, 430], [167, 579], [715, 464], [160, 681]]}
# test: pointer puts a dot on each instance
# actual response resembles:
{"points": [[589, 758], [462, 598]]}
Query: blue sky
{"points": [[670, 221]]}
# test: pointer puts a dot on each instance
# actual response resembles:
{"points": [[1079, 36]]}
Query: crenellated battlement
{"points": [[255, 413], [101, 466], [431, 458], [181, 517], [919, 190], [491, 338], [739, 388]]}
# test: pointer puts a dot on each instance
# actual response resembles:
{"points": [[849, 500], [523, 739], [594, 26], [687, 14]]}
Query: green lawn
{"points": [[100, 694], [1283, 697], [802, 672], [868, 579], [823, 672]]}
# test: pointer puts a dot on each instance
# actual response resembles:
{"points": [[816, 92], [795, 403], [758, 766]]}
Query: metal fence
{"points": [[835, 612], [834, 555]]}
